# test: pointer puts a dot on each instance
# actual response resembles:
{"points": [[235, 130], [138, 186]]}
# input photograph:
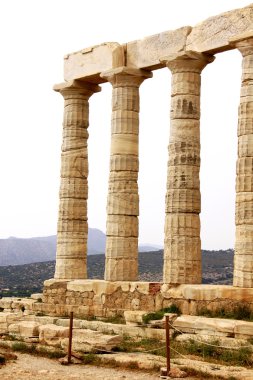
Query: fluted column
{"points": [[72, 229], [182, 246], [123, 200], [243, 259]]}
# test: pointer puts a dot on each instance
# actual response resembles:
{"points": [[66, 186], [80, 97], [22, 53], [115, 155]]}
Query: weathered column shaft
{"points": [[72, 229], [243, 259], [182, 246], [123, 199]]}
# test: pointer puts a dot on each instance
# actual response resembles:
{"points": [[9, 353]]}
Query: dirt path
{"points": [[38, 368]]}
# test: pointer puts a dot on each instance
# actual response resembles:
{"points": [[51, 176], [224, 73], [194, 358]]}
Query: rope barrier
{"points": [[179, 353]]}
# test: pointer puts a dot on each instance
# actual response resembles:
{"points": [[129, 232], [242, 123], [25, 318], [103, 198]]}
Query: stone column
{"points": [[243, 259], [123, 199], [72, 229], [182, 246]]}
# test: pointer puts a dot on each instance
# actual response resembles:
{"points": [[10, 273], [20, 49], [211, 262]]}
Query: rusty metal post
{"points": [[70, 336], [167, 327]]}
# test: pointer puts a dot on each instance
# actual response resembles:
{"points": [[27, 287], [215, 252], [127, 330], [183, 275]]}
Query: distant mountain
{"points": [[18, 251]]}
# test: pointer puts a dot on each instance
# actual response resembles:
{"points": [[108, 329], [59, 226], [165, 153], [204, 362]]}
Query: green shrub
{"points": [[160, 314], [23, 347], [90, 359], [242, 312]]}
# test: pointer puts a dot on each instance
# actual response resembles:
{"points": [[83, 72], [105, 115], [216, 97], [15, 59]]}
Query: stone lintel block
{"points": [[90, 62], [242, 37], [146, 53], [214, 34]]}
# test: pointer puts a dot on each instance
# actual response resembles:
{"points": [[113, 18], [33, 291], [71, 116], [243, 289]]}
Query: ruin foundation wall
{"points": [[99, 298]]}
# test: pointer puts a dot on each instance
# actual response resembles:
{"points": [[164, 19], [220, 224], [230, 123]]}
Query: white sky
{"points": [[35, 35]]}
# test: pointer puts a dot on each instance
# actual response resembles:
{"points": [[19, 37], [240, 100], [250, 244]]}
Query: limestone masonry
{"points": [[186, 52]]}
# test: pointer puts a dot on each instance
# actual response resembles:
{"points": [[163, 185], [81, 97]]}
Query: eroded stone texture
{"points": [[243, 259], [146, 53], [89, 63], [182, 247], [72, 229], [214, 33], [123, 199]]}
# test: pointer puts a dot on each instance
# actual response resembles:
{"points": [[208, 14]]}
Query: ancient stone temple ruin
{"points": [[185, 52]]}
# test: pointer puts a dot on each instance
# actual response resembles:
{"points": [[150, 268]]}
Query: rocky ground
{"points": [[38, 368]]}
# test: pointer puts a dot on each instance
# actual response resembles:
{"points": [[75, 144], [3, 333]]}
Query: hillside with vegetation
{"points": [[22, 280]]}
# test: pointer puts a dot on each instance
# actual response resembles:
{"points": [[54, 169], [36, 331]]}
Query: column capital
{"points": [[76, 87], [189, 61], [125, 76], [243, 42]]}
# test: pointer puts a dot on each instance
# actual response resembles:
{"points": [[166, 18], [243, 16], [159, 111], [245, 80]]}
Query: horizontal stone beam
{"points": [[213, 34], [89, 63], [147, 52], [210, 36]]}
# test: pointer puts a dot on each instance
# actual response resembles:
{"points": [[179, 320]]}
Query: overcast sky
{"points": [[35, 35]]}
